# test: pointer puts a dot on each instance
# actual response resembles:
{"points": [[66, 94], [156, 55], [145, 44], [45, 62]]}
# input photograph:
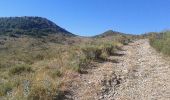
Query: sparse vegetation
{"points": [[49, 62], [5, 88], [42, 92], [161, 42], [102, 51], [18, 69], [56, 73], [40, 67]]}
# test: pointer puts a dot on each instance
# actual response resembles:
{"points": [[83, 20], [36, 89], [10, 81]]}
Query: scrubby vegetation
{"points": [[18, 69], [5, 88], [161, 42], [33, 26], [41, 68]]}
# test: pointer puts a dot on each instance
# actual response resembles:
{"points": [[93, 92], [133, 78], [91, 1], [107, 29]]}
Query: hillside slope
{"points": [[39, 59], [33, 26]]}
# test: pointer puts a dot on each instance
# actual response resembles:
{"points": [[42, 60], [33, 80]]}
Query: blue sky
{"points": [[91, 17]]}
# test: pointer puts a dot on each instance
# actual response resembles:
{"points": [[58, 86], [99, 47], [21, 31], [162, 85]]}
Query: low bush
{"points": [[54, 62], [99, 52], [5, 88], [78, 60], [41, 92], [92, 52], [18, 69], [56, 73], [161, 42]]}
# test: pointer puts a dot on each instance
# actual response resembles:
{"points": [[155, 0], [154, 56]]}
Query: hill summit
{"points": [[33, 26], [109, 33]]}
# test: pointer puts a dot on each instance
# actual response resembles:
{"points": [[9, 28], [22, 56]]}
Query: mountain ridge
{"points": [[30, 25]]}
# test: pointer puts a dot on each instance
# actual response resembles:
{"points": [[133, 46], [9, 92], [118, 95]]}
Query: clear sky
{"points": [[91, 17]]}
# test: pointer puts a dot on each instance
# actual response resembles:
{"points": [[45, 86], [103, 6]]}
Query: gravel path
{"points": [[148, 75], [141, 74]]}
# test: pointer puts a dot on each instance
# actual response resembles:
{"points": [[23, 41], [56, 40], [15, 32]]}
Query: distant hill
{"points": [[32, 26], [108, 33]]}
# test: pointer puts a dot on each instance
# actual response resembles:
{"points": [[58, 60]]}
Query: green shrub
{"points": [[96, 52], [41, 92], [166, 47], [92, 52], [161, 42], [104, 55], [18, 69], [79, 62], [5, 87], [56, 73]]}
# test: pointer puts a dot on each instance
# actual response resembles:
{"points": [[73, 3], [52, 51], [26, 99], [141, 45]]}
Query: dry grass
{"points": [[42, 70], [161, 42]]}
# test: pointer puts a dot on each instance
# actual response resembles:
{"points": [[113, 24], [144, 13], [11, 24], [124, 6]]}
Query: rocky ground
{"points": [[140, 74]]}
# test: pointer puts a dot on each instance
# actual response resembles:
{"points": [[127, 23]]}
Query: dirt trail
{"points": [[148, 76], [140, 74]]}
